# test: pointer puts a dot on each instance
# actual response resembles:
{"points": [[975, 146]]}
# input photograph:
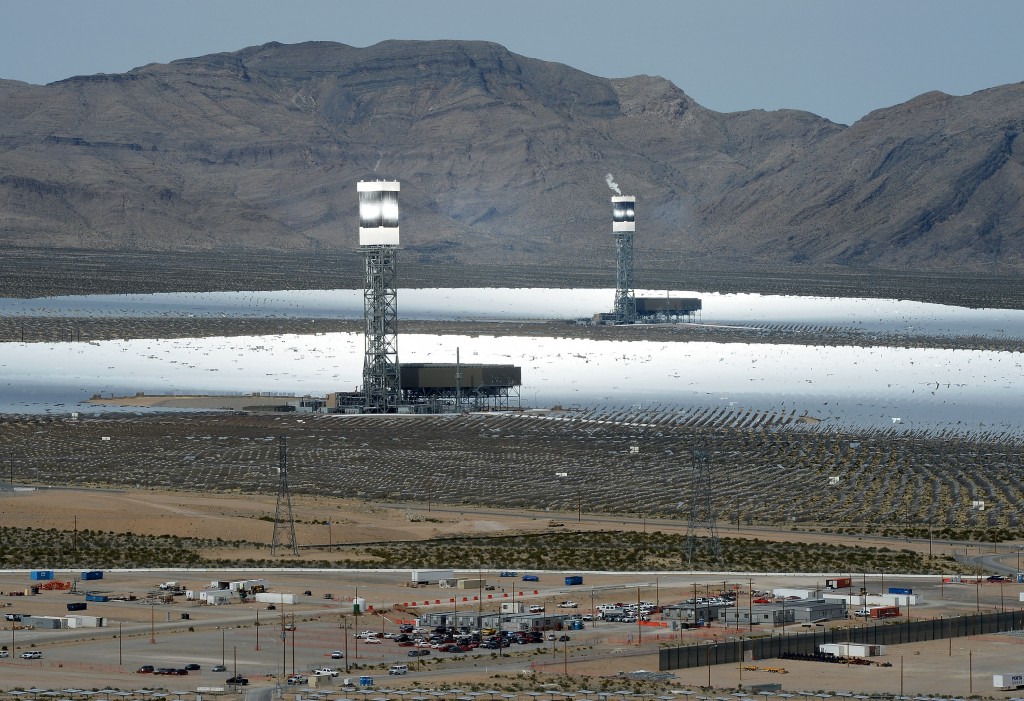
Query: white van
{"points": [[399, 669]]}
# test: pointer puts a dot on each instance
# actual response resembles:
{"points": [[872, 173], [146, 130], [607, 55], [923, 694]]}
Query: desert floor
{"points": [[158, 634]]}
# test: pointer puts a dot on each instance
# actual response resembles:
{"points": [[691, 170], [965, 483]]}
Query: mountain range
{"points": [[503, 160]]}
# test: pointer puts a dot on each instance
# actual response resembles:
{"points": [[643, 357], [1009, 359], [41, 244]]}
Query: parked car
{"points": [[295, 680], [144, 669], [337, 655], [181, 672], [418, 653], [192, 667], [219, 668], [239, 680], [325, 671], [31, 655], [568, 605], [372, 641], [563, 638], [289, 626], [996, 578]]}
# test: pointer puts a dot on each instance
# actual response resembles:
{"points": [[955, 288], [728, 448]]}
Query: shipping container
{"points": [[471, 584], [41, 575], [900, 590], [573, 581], [77, 606], [884, 611], [93, 574], [97, 597], [838, 583]]}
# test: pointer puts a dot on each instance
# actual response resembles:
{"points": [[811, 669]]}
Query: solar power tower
{"points": [[378, 242], [623, 226]]}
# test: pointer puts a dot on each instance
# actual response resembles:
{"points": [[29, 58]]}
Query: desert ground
{"points": [[246, 636]]}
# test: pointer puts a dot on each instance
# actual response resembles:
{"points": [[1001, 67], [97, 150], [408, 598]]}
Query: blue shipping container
{"points": [[900, 590], [97, 597], [94, 574], [40, 575], [77, 606], [572, 581]]}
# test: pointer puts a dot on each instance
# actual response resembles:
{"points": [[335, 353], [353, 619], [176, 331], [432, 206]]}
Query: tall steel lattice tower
{"points": [[623, 226], [284, 518], [378, 241], [702, 509]]}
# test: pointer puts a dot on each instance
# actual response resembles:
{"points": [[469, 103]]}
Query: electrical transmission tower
{"points": [[284, 518], [702, 509]]}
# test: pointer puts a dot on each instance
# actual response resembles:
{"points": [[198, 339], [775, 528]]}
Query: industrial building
{"points": [[690, 613], [438, 388], [444, 385], [784, 613], [473, 620]]}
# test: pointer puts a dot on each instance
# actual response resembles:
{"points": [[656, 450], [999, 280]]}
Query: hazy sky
{"points": [[836, 58]]}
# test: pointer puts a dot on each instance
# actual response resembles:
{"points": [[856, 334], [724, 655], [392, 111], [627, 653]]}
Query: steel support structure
{"points": [[284, 517], [702, 509], [382, 386], [625, 297]]}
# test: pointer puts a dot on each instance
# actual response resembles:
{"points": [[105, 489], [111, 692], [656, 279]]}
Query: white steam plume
{"points": [[612, 184]]}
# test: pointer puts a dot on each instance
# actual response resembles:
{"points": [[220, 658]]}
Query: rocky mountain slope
{"points": [[502, 160]]}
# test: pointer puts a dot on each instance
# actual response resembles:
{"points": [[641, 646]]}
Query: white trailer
{"points": [[852, 649], [877, 599], [86, 621], [431, 576], [216, 597], [273, 597], [1008, 680]]}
